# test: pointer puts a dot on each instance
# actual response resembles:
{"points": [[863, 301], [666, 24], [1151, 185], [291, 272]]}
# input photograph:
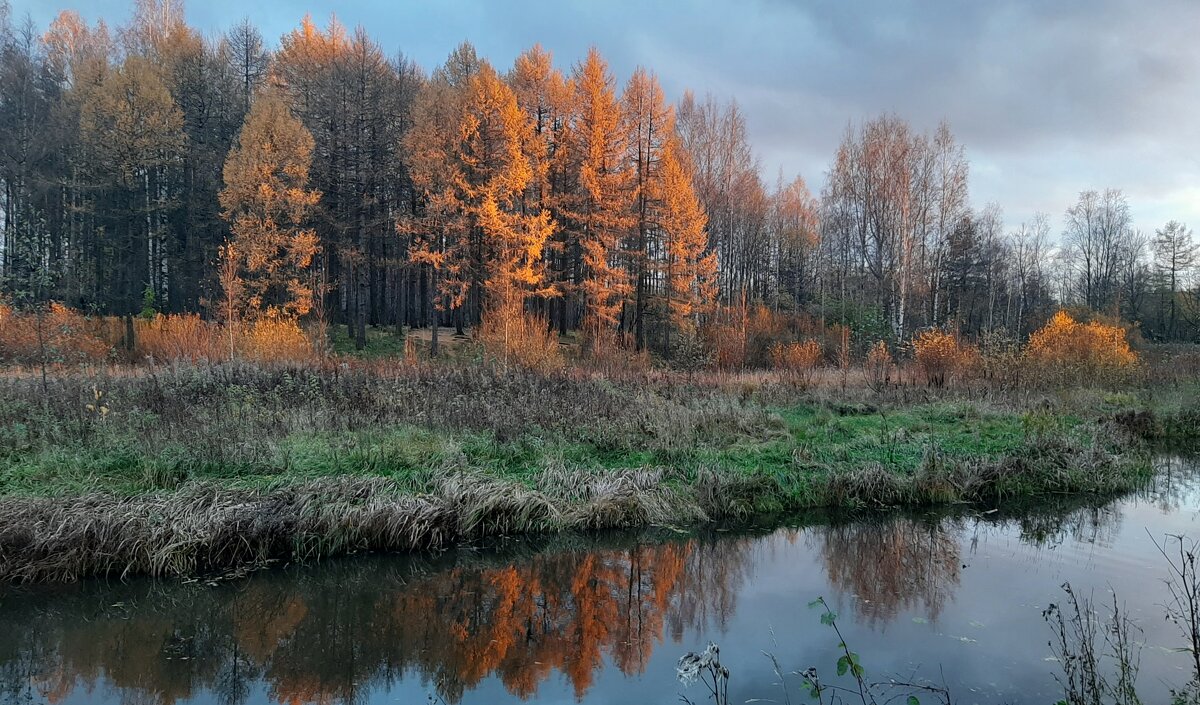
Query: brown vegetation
{"points": [[201, 527]]}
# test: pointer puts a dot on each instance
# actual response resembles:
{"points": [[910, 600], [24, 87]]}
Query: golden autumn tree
{"points": [[650, 124], [492, 177], [599, 207], [437, 242], [545, 95], [267, 202], [690, 270]]}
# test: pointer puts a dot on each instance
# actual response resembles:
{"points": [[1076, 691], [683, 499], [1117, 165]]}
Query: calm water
{"points": [[603, 620]]}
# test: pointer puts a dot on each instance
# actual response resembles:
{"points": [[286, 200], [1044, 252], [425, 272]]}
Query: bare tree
{"points": [[1174, 258], [1095, 226], [247, 57]]}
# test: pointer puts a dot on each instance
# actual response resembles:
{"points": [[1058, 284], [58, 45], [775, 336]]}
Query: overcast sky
{"points": [[1049, 97]]}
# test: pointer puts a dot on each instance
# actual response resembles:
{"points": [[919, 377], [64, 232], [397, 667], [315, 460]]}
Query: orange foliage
{"points": [[169, 338], [877, 367], [275, 339], [797, 360], [521, 339], [1066, 344], [941, 356], [69, 338], [55, 335]]}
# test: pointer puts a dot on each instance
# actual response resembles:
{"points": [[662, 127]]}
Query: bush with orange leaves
{"points": [[274, 340], [170, 338], [521, 339], [877, 367], [942, 357], [1069, 349], [743, 336], [797, 361], [53, 334]]}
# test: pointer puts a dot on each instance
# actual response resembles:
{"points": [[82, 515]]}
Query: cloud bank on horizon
{"points": [[1050, 97]]}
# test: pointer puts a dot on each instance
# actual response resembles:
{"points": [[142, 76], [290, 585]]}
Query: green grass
{"points": [[799, 441], [382, 343]]}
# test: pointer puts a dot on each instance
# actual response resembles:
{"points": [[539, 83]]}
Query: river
{"points": [[952, 596]]}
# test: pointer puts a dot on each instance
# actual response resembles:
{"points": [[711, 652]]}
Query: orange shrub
{"points": [[940, 356], [274, 339], [55, 335], [611, 353], [1066, 345], [797, 361], [877, 367], [739, 337], [521, 339], [727, 344], [186, 336]]}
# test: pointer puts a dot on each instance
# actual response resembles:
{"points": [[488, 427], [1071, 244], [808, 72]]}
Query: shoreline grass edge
{"points": [[204, 526]]}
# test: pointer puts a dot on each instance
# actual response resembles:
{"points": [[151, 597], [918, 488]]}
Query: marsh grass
{"points": [[192, 468], [202, 526]]}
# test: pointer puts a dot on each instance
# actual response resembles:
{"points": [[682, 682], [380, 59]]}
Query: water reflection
{"points": [[332, 633], [520, 617], [891, 565]]}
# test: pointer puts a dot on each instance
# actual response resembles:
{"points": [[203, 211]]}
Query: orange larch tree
{"points": [[545, 95], [650, 123], [598, 208], [690, 269], [436, 229], [267, 202], [492, 179]]}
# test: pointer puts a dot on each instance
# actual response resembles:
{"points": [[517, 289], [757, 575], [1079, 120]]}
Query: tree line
{"points": [[149, 168]]}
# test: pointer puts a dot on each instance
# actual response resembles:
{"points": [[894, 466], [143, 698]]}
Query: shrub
{"points": [[521, 339], [611, 353], [877, 367], [941, 357], [180, 337], [274, 340], [797, 361], [688, 351], [53, 334], [1071, 349], [1000, 360], [744, 336], [727, 344]]}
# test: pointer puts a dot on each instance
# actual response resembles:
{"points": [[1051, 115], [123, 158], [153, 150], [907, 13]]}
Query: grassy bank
{"points": [[178, 471]]}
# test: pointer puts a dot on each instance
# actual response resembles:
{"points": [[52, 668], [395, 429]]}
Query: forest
{"points": [[266, 300], [149, 170]]}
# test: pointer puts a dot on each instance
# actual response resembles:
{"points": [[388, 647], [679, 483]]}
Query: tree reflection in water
{"points": [[891, 565], [335, 632]]}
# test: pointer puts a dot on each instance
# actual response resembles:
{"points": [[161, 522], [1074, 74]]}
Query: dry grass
{"points": [[173, 338], [193, 468], [1059, 465], [203, 526], [523, 340]]}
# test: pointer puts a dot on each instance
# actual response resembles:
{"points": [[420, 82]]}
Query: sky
{"points": [[1049, 97]]}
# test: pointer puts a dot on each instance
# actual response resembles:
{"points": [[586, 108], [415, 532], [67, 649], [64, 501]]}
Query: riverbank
{"points": [[185, 470]]}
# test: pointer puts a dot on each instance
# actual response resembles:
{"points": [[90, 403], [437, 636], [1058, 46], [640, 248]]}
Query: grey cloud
{"points": [[1049, 96]]}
